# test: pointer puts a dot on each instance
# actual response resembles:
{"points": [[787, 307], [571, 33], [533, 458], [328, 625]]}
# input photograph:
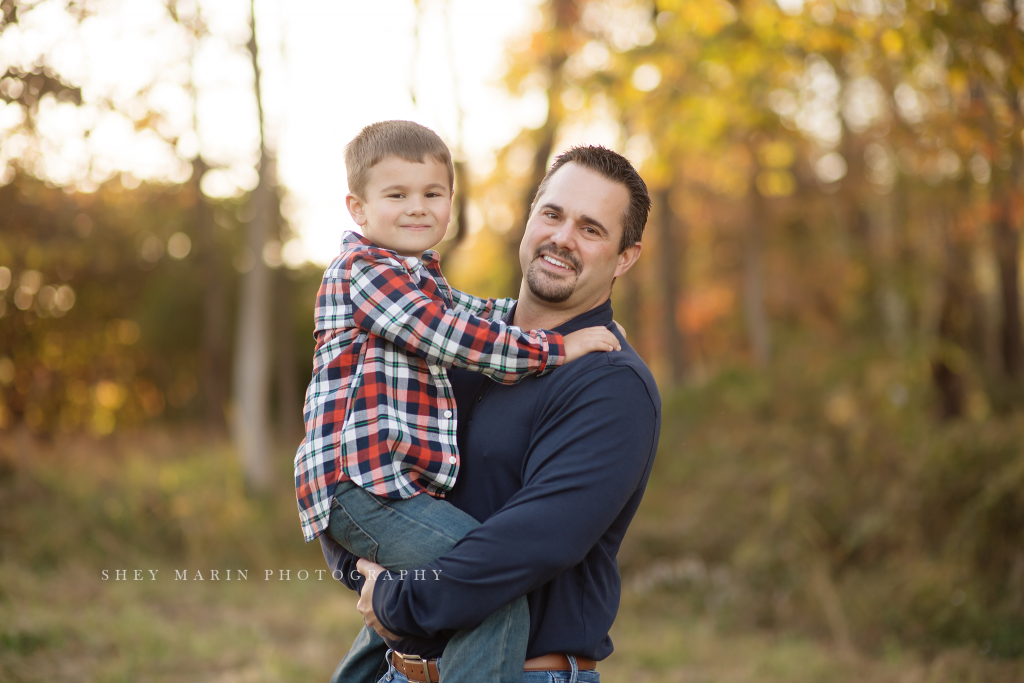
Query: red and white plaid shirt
{"points": [[379, 409]]}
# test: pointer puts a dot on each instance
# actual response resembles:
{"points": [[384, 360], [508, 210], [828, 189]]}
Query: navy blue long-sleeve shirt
{"points": [[554, 469]]}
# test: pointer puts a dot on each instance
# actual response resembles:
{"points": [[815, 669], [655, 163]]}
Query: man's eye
{"points": [[551, 215]]}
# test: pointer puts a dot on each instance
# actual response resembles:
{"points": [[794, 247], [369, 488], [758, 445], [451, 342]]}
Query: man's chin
{"points": [[549, 292]]}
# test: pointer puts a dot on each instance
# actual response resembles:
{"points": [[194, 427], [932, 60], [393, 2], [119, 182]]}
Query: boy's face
{"points": [[407, 205]]}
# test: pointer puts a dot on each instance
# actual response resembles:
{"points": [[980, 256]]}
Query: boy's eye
{"points": [[395, 195]]}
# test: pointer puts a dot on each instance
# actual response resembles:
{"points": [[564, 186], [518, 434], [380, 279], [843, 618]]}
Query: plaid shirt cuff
{"points": [[556, 351]]}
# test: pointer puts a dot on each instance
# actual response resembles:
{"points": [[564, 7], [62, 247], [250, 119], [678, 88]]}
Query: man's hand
{"points": [[370, 571], [582, 342]]}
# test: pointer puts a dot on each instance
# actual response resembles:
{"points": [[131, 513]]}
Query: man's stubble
{"points": [[546, 288]]}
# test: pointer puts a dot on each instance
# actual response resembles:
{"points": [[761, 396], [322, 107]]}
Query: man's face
{"points": [[570, 252]]}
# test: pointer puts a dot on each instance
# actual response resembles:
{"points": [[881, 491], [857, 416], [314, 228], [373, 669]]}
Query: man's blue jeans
{"points": [[403, 534], [574, 676]]}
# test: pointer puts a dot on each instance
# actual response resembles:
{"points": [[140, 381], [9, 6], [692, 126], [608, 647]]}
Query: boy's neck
{"points": [[384, 246]]}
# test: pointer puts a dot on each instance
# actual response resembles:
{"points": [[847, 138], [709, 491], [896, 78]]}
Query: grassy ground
{"points": [[153, 501], [70, 625]]}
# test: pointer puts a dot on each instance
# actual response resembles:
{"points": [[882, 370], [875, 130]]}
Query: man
{"points": [[554, 467]]}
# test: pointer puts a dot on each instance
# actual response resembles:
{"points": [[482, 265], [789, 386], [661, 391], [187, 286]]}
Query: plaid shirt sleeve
{"points": [[387, 302], [492, 309]]}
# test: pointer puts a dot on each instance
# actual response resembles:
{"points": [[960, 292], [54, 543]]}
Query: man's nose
{"points": [[565, 234]]}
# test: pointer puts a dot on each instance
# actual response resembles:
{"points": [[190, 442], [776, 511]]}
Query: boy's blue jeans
{"points": [[402, 534]]}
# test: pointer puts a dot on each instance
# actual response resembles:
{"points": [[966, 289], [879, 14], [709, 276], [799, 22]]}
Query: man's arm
{"points": [[388, 303], [593, 445], [341, 563]]}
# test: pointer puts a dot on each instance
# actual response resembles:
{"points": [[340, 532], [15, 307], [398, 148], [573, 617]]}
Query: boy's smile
{"points": [[407, 205]]}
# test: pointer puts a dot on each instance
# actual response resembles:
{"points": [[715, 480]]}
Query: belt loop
{"points": [[575, 669], [391, 667]]}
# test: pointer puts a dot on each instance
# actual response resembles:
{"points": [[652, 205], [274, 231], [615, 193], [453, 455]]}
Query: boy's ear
{"points": [[355, 209]]}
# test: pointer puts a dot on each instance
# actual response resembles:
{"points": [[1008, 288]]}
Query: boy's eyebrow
{"points": [[391, 188], [590, 220]]}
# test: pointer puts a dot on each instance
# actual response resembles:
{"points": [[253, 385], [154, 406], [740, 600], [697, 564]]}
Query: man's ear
{"points": [[355, 209], [627, 258]]}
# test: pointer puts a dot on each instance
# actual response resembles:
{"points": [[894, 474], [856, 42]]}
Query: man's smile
{"points": [[561, 263], [556, 262]]}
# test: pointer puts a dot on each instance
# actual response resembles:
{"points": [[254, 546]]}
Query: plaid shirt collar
{"points": [[428, 258]]}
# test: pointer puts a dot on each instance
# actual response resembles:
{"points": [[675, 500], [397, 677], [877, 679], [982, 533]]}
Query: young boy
{"points": [[379, 411]]}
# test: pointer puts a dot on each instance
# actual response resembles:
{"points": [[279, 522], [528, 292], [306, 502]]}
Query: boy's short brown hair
{"points": [[402, 139]]}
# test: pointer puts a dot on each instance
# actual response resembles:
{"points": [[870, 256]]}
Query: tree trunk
{"points": [[289, 399], [214, 341], [753, 279], [1006, 234], [882, 226], [627, 293], [252, 347], [665, 225], [955, 324]]}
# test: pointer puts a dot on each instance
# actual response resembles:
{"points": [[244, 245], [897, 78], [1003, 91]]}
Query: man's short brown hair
{"points": [[616, 168], [402, 139]]}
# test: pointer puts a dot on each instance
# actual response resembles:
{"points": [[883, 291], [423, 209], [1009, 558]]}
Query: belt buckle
{"points": [[416, 659]]}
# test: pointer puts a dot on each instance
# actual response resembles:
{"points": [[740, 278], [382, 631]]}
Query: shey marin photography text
{"points": [[268, 575]]}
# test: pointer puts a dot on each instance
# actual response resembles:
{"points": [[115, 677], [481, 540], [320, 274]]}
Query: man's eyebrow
{"points": [[594, 222], [589, 220]]}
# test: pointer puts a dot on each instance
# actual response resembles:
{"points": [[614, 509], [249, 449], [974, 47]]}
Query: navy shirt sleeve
{"points": [[342, 563], [592, 446]]}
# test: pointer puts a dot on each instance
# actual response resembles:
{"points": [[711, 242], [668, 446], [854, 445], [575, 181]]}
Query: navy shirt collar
{"points": [[600, 316]]}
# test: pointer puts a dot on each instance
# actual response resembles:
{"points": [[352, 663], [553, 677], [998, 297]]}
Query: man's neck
{"points": [[534, 314]]}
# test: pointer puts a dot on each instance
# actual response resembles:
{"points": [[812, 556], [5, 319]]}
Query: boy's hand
{"points": [[582, 342]]}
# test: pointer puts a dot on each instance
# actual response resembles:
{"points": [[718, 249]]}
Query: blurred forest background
{"points": [[830, 298]]}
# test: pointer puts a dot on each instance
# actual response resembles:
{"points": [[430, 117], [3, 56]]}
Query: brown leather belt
{"points": [[416, 668], [558, 662], [419, 670]]}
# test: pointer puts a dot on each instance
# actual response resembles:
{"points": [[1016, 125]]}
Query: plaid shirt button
{"points": [[447, 413]]}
